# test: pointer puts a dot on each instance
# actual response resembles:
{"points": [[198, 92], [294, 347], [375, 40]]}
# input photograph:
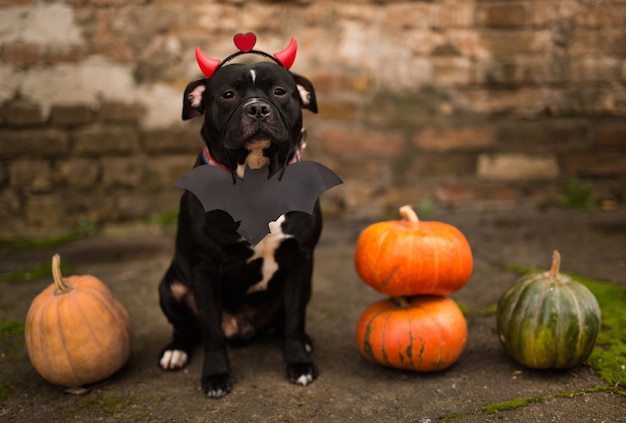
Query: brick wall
{"points": [[458, 102]]}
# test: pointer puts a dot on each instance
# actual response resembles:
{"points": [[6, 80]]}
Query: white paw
{"points": [[304, 380], [173, 359]]}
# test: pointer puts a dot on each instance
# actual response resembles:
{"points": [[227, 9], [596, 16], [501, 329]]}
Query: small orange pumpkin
{"points": [[408, 257], [420, 333], [76, 331]]}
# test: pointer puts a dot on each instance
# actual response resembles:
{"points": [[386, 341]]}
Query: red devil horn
{"points": [[287, 56], [207, 64]]}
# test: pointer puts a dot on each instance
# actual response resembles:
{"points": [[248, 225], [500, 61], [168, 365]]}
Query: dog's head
{"points": [[252, 113]]}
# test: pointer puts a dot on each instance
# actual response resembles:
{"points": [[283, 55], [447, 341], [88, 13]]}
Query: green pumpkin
{"points": [[548, 320]]}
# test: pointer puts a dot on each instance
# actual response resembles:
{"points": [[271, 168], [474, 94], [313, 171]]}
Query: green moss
{"points": [[5, 393], [577, 196], [609, 355], [11, 328], [509, 405], [164, 218], [104, 402], [523, 402], [41, 271], [85, 228]]}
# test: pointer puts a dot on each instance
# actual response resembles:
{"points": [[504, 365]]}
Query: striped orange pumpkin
{"points": [[423, 333], [412, 257]]}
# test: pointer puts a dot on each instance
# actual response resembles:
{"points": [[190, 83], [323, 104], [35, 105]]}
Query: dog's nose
{"points": [[257, 110]]}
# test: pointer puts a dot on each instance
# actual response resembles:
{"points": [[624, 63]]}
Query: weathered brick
{"points": [[54, 55], [589, 100], [407, 15], [22, 114], [10, 211], [521, 70], [116, 112], [611, 135], [162, 173], [31, 175], [21, 54], [595, 164], [176, 140], [132, 206], [502, 43], [122, 171], [455, 138], [33, 143], [326, 81], [453, 14], [100, 140], [598, 42], [434, 166], [517, 167], [544, 136], [362, 143], [525, 101], [360, 169], [338, 110], [594, 69], [409, 111], [602, 14], [452, 71], [71, 115], [509, 15], [465, 42], [4, 172], [81, 174], [499, 194], [45, 210]]}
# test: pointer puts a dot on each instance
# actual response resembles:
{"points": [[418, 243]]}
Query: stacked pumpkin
{"points": [[417, 264]]}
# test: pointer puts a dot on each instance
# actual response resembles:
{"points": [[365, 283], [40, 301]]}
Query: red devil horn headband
{"points": [[245, 44]]}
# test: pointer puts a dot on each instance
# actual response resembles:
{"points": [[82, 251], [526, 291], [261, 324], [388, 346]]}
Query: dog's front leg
{"points": [[216, 376], [297, 345]]}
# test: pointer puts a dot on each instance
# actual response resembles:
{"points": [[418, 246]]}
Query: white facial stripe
{"points": [[253, 73]]}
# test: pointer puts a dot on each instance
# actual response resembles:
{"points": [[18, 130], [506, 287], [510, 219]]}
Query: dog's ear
{"points": [[193, 104], [307, 93]]}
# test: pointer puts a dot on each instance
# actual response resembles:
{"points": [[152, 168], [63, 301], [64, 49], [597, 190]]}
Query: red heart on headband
{"points": [[245, 42]]}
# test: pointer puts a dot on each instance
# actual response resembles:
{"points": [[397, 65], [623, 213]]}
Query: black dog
{"points": [[219, 287]]}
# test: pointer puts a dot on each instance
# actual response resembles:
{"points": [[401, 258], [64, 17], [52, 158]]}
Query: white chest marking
{"points": [[265, 250], [255, 158]]}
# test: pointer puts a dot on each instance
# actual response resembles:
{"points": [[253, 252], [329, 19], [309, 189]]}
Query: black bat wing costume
{"points": [[257, 200]]}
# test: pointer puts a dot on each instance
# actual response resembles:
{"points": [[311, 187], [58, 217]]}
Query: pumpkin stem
{"points": [[409, 214], [61, 287], [403, 302], [556, 264]]}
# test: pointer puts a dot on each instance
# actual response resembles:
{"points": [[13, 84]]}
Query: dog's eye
{"points": [[280, 91], [228, 94]]}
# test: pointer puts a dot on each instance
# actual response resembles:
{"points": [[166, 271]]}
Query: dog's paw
{"points": [[173, 359], [216, 386], [302, 373]]}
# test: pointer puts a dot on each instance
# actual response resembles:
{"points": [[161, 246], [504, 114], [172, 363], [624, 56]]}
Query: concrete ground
{"points": [[131, 261]]}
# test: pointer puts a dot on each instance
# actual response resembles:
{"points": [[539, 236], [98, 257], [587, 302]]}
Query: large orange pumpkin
{"points": [[408, 257], [420, 333], [76, 331]]}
